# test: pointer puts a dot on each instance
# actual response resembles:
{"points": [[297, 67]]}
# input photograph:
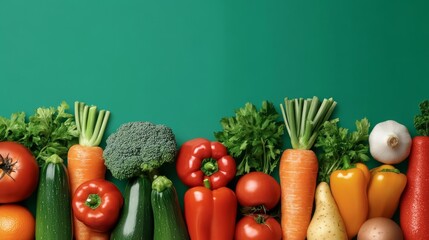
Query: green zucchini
{"points": [[53, 209], [169, 223], [136, 220]]}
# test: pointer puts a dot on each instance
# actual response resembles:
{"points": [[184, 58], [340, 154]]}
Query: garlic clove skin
{"points": [[390, 142]]}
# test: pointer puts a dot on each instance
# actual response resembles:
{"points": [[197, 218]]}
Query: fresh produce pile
{"points": [[324, 189]]}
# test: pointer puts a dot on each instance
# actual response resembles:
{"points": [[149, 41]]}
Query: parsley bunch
{"points": [[340, 149], [421, 121], [47, 132], [253, 137]]}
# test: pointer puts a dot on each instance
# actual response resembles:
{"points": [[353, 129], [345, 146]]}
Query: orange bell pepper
{"points": [[385, 190], [349, 189]]}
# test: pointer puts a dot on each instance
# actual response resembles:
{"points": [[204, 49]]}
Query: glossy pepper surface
{"points": [[349, 189], [210, 214], [97, 203], [200, 159], [385, 190]]}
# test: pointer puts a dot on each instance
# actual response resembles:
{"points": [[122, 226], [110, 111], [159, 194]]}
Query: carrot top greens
{"points": [[91, 123], [303, 119]]}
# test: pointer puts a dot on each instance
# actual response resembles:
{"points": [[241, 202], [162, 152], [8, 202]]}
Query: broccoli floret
{"points": [[139, 147]]}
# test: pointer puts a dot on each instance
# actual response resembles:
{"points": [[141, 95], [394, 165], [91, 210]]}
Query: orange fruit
{"points": [[16, 222]]}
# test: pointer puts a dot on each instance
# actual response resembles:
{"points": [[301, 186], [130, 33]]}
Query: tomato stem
{"points": [[260, 219], [7, 166], [254, 209]]}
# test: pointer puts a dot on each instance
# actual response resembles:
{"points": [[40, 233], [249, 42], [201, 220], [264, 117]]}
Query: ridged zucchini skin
{"points": [[53, 209], [136, 220], [169, 223]]}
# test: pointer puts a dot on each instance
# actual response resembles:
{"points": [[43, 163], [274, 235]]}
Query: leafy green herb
{"points": [[341, 149], [303, 119], [48, 131], [421, 121], [253, 138], [13, 128]]}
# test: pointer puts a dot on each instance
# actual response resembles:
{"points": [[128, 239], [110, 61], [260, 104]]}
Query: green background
{"points": [[188, 63]]}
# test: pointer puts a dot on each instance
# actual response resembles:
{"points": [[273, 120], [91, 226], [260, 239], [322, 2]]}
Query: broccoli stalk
{"points": [[138, 148]]}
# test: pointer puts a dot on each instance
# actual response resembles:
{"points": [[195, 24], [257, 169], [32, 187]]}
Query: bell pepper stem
{"points": [[93, 201], [209, 166], [346, 163], [207, 184], [390, 170]]}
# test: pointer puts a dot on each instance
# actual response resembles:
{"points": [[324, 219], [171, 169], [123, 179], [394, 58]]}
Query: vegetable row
{"points": [[325, 189]]}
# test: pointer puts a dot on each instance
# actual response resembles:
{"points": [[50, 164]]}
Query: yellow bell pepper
{"points": [[385, 190], [349, 189]]}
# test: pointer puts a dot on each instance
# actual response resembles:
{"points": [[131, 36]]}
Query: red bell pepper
{"points": [[210, 214], [97, 204], [200, 159]]}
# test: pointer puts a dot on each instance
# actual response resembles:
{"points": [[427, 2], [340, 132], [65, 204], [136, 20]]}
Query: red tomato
{"points": [[258, 189], [19, 172], [258, 227]]}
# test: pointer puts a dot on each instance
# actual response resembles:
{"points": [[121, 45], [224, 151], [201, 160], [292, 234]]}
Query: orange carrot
{"points": [[298, 176], [299, 166], [85, 160], [85, 163]]}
